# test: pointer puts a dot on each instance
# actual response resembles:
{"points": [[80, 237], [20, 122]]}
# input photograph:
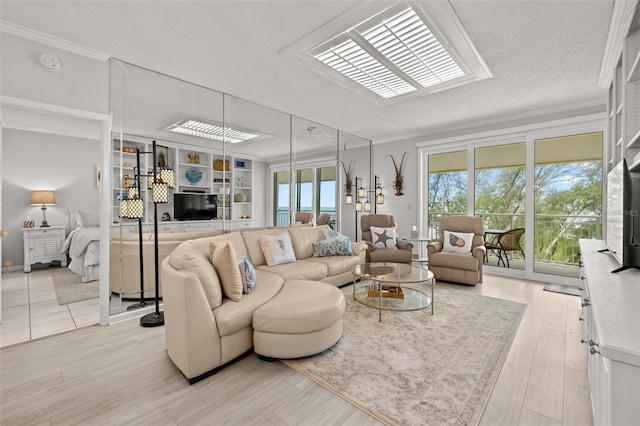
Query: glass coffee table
{"points": [[393, 287]]}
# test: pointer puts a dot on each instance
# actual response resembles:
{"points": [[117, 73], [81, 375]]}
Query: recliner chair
{"points": [[463, 268], [400, 253]]}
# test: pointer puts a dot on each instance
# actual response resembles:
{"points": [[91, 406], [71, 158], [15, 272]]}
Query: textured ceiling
{"points": [[542, 54]]}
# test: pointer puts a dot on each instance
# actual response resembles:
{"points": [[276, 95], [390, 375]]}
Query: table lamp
{"points": [[44, 198]]}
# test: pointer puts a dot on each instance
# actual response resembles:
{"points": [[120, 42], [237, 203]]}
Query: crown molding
{"points": [[505, 121], [620, 21], [39, 37]]}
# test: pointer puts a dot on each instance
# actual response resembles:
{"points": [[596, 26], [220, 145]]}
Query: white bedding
{"points": [[83, 247]]}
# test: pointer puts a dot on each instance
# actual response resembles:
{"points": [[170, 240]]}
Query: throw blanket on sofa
{"points": [[83, 248]]}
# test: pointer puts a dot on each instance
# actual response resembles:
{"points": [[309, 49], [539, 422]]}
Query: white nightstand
{"points": [[43, 245]]}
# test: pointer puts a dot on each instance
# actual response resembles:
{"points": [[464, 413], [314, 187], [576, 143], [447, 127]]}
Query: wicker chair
{"points": [[508, 241]]}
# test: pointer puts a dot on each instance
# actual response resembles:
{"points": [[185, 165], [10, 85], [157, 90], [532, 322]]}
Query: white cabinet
{"points": [[43, 245], [611, 336]]}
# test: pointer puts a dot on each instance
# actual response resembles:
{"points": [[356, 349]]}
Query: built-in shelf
{"points": [[634, 142], [634, 72]]}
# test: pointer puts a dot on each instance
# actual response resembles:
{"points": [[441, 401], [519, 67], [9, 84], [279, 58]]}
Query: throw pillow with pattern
{"points": [[332, 243], [457, 242], [383, 237], [248, 273]]}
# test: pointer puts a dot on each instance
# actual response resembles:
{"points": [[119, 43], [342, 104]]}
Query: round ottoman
{"points": [[305, 318]]}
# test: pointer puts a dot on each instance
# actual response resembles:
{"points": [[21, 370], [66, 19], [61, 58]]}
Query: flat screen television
{"points": [[623, 216], [194, 206]]}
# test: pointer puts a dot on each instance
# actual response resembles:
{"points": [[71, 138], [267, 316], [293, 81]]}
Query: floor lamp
{"points": [[132, 207], [158, 181]]}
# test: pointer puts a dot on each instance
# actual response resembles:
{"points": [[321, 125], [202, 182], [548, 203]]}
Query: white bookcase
{"points": [[624, 105], [196, 170]]}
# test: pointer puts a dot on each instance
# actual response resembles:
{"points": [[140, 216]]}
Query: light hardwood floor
{"points": [[121, 374]]}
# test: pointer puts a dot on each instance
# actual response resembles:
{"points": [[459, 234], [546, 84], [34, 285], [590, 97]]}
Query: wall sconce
{"points": [[46, 198]]}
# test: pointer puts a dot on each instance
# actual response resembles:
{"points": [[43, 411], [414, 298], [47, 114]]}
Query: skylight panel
{"points": [[387, 53], [408, 43], [210, 131], [352, 61]]}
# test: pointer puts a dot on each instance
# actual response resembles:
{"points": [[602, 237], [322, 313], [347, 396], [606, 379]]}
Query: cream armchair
{"points": [[399, 253], [454, 260]]}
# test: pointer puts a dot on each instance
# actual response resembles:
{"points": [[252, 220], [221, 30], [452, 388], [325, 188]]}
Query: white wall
{"points": [[405, 207], [33, 160], [82, 83]]}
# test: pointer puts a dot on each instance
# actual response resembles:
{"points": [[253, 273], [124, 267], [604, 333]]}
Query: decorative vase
{"points": [[240, 197]]}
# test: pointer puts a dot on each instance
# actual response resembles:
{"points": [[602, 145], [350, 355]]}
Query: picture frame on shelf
{"points": [[240, 164]]}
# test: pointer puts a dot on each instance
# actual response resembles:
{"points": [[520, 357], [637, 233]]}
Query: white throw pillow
{"points": [[383, 237], [457, 242], [277, 249]]}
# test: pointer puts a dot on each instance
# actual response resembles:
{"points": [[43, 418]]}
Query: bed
{"points": [[82, 245]]}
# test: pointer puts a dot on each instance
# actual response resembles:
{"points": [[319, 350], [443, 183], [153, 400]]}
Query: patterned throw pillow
{"points": [[383, 237], [332, 243], [248, 273], [457, 242], [277, 249]]}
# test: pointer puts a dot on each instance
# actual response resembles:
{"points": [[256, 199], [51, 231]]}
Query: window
{"points": [[447, 188]]}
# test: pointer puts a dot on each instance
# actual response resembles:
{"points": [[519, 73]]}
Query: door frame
{"points": [[28, 115]]}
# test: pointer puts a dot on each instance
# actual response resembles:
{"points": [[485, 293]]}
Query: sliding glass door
{"points": [[568, 200], [539, 194]]}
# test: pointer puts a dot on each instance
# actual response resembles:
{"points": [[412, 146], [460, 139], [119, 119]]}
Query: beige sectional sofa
{"points": [[124, 257], [204, 329]]}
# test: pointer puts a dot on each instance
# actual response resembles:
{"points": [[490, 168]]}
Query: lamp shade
{"points": [[367, 206], [41, 197], [160, 193], [361, 192], [349, 199]]}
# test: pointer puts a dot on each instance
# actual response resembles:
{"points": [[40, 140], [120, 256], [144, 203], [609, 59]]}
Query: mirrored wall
{"points": [[233, 164]]}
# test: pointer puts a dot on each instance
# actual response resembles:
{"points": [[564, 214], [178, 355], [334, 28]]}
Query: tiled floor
{"points": [[30, 308]]}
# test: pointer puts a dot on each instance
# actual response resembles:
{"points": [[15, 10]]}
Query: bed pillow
{"points": [[248, 274], [332, 243], [457, 242], [225, 261], [88, 218], [383, 237], [277, 249]]}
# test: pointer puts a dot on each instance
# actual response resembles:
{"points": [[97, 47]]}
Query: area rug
{"points": [[70, 288], [564, 289], [416, 369]]}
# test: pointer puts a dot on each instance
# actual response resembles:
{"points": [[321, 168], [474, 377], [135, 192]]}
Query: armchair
{"points": [[400, 252], [304, 217], [452, 260]]}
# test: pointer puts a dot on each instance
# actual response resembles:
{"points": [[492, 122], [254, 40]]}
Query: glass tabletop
{"points": [[388, 272]]}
